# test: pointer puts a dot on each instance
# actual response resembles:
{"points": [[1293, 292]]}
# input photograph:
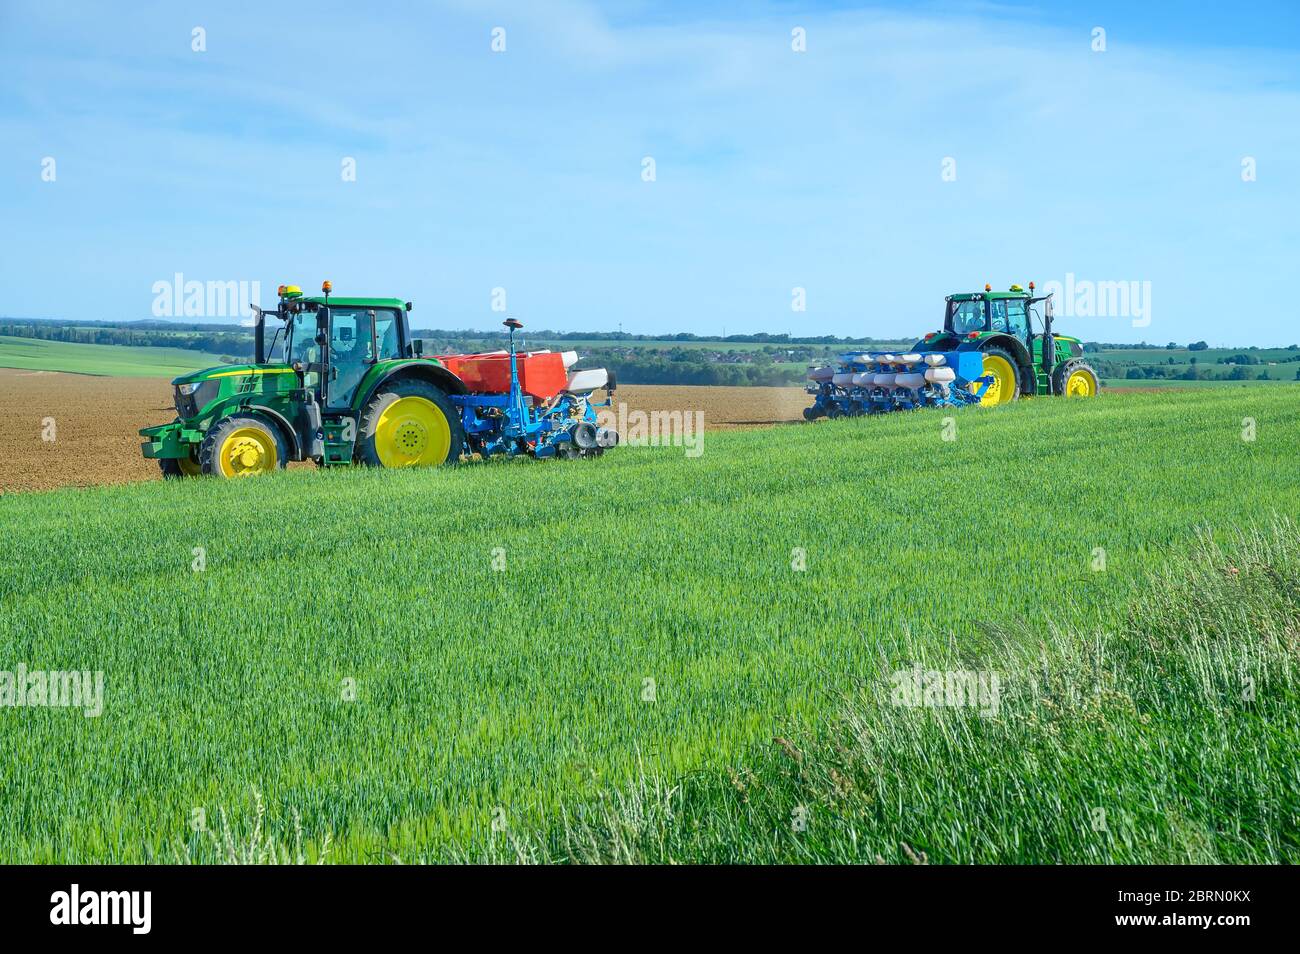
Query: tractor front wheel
{"points": [[1075, 378], [242, 447], [1005, 387], [410, 424], [174, 468]]}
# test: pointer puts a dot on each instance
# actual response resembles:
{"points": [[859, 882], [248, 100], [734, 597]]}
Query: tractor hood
{"points": [[200, 392], [230, 371]]}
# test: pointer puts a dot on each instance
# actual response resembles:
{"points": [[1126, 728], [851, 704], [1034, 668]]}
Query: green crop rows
{"points": [[353, 650], [115, 360]]}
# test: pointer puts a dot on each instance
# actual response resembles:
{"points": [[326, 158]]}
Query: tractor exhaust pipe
{"points": [[1049, 343]]}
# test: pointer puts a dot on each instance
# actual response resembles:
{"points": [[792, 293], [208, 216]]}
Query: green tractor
{"points": [[987, 353], [1016, 359], [314, 392], [341, 381]]}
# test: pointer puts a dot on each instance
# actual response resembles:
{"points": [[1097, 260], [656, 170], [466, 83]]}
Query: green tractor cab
{"points": [[1017, 360]]}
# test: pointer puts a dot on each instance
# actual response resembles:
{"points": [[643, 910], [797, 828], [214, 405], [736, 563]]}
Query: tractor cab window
{"points": [[966, 316], [1017, 320], [345, 337], [358, 338], [301, 343], [998, 315], [386, 333], [350, 333], [352, 350]]}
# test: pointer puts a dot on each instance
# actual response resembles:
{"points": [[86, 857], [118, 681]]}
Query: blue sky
{"points": [[774, 169]]}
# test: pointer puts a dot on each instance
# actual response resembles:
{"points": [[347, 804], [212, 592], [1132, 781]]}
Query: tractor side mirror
{"points": [[419, 347]]}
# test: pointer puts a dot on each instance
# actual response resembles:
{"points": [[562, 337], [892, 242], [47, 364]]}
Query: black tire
{"points": [[210, 449], [1066, 368], [173, 469], [389, 393], [1017, 371]]}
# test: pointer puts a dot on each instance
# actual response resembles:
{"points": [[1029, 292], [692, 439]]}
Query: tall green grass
{"points": [[519, 694], [1174, 738]]}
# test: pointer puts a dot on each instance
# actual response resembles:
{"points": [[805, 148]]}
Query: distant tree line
{"points": [[1242, 358], [227, 342], [1148, 372], [761, 337], [779, 359], [145, 324], [693, 366], [1132, 371], [1097, 346]]}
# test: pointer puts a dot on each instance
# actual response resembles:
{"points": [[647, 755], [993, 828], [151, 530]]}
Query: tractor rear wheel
{"points": [[1075, 378], [1001, 366], [242, 447], [409, 424]]}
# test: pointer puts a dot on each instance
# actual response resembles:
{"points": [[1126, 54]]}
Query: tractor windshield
{"points": [[301, 344], [966, 316]]}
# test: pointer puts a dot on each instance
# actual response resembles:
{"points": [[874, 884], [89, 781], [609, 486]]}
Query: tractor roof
{"points": [[974, 296], [356, 302]]}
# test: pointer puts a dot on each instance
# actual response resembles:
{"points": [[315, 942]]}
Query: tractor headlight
{"points": [[187, 399]]}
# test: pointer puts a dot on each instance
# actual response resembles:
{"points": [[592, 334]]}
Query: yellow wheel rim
{"points": [[1003, 388], [246, 451], [1080, 384], [412, 432], [189, 466]]}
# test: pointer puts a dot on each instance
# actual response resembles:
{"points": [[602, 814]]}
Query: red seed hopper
{"points": [[542, 374]]}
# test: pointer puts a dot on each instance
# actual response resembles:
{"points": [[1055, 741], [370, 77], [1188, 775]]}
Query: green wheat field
{"points": [[32, 354], [591, 660]]}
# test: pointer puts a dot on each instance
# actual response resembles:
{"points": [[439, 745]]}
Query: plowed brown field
{"points": [[96, 418]]}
